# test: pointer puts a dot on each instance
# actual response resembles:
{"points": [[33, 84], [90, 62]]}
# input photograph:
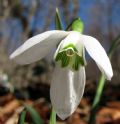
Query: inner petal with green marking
{"points": [[69, 57]]}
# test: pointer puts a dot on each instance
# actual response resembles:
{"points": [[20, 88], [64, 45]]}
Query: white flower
{"points": [[68, 80]]}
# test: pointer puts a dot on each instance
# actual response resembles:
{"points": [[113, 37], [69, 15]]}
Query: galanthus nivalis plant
{"points": [[69, 77]]}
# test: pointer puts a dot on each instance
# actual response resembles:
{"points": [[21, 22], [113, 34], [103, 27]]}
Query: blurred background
{"points": [[21, 19]]}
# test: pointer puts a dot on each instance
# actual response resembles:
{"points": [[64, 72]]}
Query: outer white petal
{"points": [[97, 52], [67, 90], [38, 46]]}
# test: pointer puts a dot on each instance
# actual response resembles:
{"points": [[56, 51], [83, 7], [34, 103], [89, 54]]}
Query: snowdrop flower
{"points": [[68, 80]]}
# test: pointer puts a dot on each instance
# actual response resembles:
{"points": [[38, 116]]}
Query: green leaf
{"points": [[34, 114], [53, 117], [114, 45], [22, 117], [58, 23], [78, 25]]}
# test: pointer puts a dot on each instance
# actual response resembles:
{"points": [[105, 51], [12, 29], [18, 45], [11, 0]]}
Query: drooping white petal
{"points": [[67, 90], [97, 52], [38, 46]]}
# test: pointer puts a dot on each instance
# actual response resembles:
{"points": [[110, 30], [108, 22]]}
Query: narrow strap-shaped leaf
{"points": [[34, 114], [53, 117], [58, 23], [114, 45], [22, 117]]}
